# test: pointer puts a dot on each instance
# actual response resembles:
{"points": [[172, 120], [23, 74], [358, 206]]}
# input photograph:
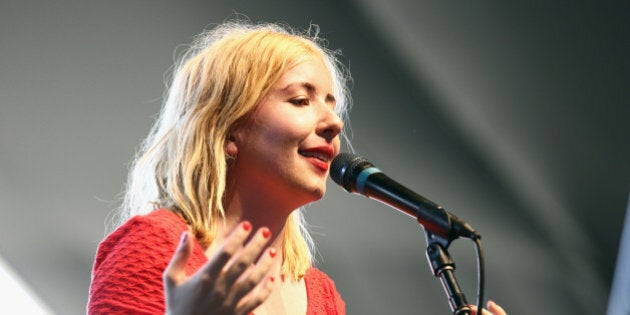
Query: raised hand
{"points": [[231, 282]]}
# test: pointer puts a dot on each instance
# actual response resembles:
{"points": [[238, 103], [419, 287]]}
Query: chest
{"points": [[286, 298]]}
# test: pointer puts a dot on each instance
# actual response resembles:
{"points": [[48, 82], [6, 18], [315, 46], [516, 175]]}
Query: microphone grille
{"points": [[344, 167]]}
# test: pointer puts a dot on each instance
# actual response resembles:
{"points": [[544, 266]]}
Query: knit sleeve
{"points": [[323, 298], [340, 305], [127, 274]]}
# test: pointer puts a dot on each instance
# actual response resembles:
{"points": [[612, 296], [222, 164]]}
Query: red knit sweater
{"points": [[127, 275]]}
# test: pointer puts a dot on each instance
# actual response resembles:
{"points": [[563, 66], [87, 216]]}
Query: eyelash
{"points": [[300, 101]]}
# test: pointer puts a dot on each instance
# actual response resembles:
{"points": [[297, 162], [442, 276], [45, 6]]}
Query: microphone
{"points": [[357, 175]]}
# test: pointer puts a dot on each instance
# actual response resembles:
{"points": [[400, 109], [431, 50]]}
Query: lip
{"points": [[324, 153]]}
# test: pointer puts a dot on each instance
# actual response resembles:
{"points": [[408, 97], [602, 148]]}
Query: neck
{"points": [[261, 211]]}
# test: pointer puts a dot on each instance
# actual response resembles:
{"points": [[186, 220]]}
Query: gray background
{"points": [[512, 116]]}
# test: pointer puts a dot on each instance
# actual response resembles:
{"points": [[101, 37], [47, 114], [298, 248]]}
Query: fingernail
{"points": [[184, 237], [247, 226], [266, 233], [272, 252]]}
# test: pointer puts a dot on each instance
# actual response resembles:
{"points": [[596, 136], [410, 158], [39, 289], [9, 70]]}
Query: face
{"points": [[285, 149]]}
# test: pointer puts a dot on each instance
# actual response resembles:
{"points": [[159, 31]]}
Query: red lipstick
{"points": [[320, 156]]}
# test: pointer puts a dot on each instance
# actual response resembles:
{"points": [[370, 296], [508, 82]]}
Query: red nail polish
{"points": [[272, 279], [266, 233], [247, 226], [272, 252]]}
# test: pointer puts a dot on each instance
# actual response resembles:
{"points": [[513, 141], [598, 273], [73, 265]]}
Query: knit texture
{"points": [[127, 274]]}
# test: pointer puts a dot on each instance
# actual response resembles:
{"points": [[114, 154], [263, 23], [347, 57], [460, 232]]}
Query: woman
{"points": [[246, 135]]}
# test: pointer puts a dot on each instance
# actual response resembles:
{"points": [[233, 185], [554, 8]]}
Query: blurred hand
{"points": [[493, 308], [230, 283]]}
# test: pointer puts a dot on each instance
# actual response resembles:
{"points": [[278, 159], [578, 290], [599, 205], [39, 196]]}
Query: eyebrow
{"points": [[311, 90]]}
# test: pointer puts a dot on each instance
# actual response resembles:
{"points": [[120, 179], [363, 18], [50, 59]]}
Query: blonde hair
{"points": [[216, 84]]}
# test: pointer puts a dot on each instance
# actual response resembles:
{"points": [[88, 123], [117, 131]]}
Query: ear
{"points": [[231, 149]]}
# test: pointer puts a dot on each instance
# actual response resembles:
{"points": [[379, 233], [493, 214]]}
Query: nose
{"points": [[330, 124]]}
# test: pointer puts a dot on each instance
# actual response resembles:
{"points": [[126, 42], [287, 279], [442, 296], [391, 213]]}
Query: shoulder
{"points": [[318, 280], [156, 221], [143, 235], [127, 273], [322, 293], [315, 274]]}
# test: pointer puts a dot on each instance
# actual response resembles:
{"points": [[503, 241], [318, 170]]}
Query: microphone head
{"points": [[345, 169]]}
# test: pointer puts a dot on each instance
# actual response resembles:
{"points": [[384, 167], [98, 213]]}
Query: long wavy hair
{"points": [[216, 83]]}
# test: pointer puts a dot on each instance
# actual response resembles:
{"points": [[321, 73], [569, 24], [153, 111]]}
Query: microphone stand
{"points": [[443, 267]]}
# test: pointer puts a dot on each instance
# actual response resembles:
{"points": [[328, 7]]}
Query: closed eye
{"points": [[300, 101]]}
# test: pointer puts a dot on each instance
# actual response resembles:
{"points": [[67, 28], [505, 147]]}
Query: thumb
{"points": [[175, 271], [495, 308]]}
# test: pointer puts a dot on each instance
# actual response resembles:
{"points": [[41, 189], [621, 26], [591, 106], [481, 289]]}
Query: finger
{"points": [[495, 308], [246, 283], [247, 256], [232, 244], [256, 297], [474, 310], [175, 271]]}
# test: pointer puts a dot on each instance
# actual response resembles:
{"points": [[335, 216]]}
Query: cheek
{"points": [[284, 125], [278, 137], [292, 128]]}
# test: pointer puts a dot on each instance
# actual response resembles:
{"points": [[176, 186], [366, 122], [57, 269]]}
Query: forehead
{"points": [[311, 74]]}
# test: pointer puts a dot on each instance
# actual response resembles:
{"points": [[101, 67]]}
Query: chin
{"points": [[318, 193], [312, 195]]}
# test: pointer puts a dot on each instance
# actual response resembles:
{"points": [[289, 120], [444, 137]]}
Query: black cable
{"points": [[480, 274]]}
